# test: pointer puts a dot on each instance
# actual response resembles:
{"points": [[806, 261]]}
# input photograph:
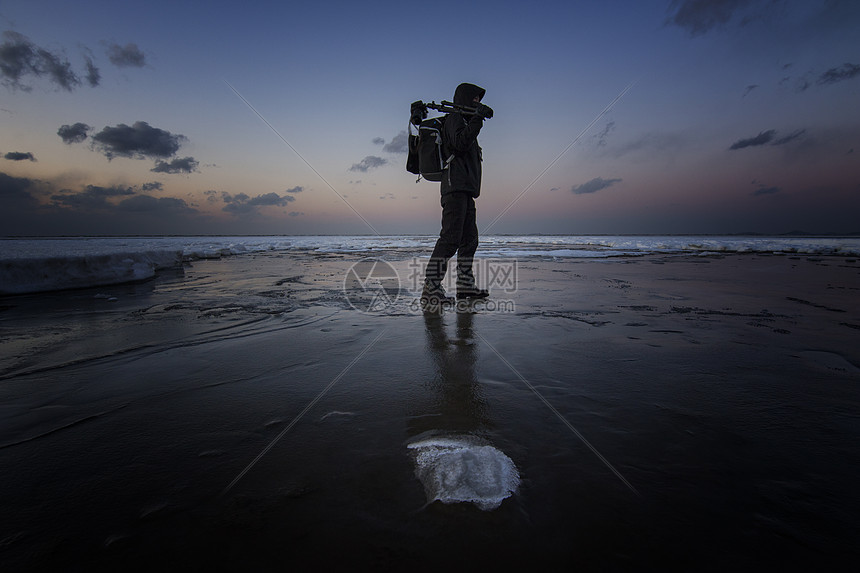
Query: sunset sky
{"points": [[290, 118]]}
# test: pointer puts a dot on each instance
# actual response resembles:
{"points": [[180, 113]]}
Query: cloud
{"points": [[35, 207], [19, 156], [15, 193], [20, 58], [748, 89], [296, 213], [184, 165], [765, 137], [92, 198], [242, 203], [762, 138], [378, 141], [58, 70], [128, 56], [765, 191], [593, 186], [94, 76], [601, 137], [801, 85], [844, 72], [369, 162], [701, 16], [138, 141], [157, 205], [152, 186], [73, 133], [296, 189], [790, 137], [399, 144]]}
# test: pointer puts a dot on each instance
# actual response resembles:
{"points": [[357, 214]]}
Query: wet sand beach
{"points": [[662, 412]]}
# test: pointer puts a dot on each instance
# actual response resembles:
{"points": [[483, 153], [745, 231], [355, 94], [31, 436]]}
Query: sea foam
{"points": [[462, 469]]}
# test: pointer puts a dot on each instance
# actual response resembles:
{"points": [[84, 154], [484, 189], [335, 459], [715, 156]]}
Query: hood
{"points": [[465, 93]]}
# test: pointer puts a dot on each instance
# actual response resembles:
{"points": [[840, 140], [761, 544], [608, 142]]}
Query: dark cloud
{"points": [[73, 133], [242, 203], [765, 191], [762, 138], [399, 144], [296, 213], [183, 165], [157, 205], [128, 56], [378, 141], [593, 186], [58, 70], [92, 198], [844, 72], [748, 89], [152, 186], [137, 141], [603, 135], [19, 156], [701, 16], [790, 137], [767, 137], [94, 76], [20, 58], [296, 189], [17, 58], [801, 84], [369, 162], [35, 207], [15, 193]]}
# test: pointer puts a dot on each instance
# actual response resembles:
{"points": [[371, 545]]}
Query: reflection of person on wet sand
{"points": [[453, 462], [459, 402]]}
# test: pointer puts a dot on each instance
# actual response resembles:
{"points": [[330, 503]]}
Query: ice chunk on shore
{"points": [[462, 469], [25, 275]]}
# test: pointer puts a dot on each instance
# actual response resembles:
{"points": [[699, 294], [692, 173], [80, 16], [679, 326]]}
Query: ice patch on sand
{"points": [[462, 469], [22, 275]]}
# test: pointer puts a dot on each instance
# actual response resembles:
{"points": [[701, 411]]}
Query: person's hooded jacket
{"points": [[461, 140]]}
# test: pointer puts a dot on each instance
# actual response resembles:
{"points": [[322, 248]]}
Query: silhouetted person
{"points": [[461, 185]]}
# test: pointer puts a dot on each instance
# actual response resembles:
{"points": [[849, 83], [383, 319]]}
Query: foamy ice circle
{"points": [[457, 469]]}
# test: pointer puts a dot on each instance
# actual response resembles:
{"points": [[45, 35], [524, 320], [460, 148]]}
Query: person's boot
{"points": [[471, 293], [433, 297]]}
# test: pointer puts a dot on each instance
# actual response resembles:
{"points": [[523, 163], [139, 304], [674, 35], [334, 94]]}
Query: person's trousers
{"points": [[459, 236]]}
